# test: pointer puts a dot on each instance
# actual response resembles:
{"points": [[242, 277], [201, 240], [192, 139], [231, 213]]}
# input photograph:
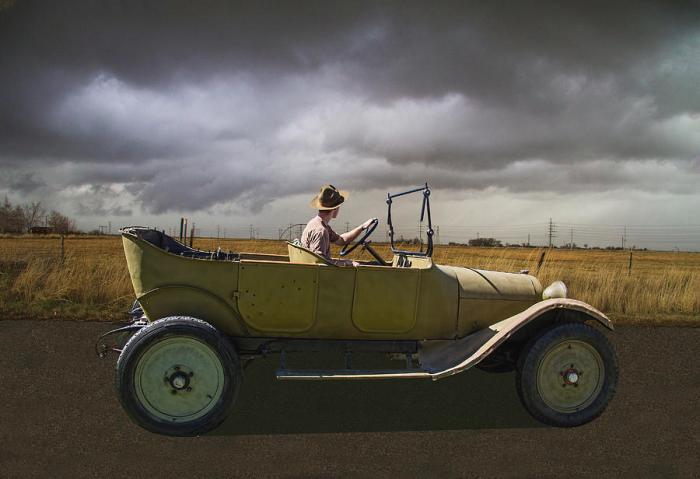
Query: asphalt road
{"points": [[59, 417]]}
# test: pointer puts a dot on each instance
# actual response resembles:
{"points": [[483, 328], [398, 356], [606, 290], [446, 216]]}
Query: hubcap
{"points": [[570, 376], [179, 379]]}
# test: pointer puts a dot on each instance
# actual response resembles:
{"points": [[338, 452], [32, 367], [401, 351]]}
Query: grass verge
{"points": [[87, 279]]}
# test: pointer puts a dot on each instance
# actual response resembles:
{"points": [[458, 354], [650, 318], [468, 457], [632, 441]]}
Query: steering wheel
{"points": [[349, 248]]}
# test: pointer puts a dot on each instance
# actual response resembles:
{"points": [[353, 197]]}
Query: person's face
{"points": [[335, 212]]}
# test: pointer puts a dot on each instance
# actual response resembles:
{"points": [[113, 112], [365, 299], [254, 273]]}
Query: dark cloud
{"points": [[96, 207], [187, 105], [23, 182]]}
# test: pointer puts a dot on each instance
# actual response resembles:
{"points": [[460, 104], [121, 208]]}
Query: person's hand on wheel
{"points": [[357, 238], [366, 224]]}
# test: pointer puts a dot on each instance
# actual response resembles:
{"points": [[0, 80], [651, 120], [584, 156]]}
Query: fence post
{"points": [[629, 268], [63, 249], [540, 262]]}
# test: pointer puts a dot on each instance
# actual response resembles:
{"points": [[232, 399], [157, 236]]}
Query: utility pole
{"points": [[218, 232], [250, 232], [110, 227], [528, 239], [571, 245], [347, 226], [437, 234], [551, 232]]}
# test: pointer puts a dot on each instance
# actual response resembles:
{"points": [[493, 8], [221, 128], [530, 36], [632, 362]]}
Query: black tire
{"points": [[548, 380], [178, 376]]}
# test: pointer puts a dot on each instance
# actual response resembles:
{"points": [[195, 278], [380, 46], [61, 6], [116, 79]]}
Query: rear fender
{"points": [[445, 358], [195, 302]]}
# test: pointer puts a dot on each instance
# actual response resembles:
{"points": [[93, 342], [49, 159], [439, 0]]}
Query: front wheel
{"points": [[178, 376], [567, 375]]}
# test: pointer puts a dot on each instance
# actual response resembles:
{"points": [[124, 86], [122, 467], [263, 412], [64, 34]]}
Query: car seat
{"points": [[299, 254]]}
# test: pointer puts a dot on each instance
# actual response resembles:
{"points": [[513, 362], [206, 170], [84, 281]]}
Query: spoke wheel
{"points": [[178, 376], [567, 374]]}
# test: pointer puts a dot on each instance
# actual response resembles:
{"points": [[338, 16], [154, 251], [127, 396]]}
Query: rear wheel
{"points": [[178, 376], [567, 375]]}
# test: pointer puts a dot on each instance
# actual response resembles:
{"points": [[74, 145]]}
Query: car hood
{"points": [[482, 284]]}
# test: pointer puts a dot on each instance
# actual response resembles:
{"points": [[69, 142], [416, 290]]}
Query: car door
{"points": [[385, 299], [278, 297]]}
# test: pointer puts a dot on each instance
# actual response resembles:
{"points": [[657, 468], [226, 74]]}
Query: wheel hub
{"points": [[571, 377], [179, 381], [178, 378]]}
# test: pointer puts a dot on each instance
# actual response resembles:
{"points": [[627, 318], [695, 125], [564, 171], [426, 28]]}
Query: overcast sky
{"points": [[235, 113]]}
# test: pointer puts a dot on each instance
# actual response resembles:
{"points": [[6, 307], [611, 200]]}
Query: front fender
{"points": [[445, 358]]}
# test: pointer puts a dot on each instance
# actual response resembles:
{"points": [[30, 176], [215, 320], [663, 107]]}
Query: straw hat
{"points": [[328, 198]]}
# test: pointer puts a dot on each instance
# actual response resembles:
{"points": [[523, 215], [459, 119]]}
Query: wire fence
{"points": [[561, 235], [23, 247], [557, 234]]}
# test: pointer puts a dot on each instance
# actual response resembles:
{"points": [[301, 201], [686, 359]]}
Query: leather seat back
{"points": [[299, 254]]}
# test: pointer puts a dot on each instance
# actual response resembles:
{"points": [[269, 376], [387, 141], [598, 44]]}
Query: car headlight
{"points": [[555, 290]]}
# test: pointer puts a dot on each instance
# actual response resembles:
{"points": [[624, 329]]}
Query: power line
{"points": [[545, 233]]}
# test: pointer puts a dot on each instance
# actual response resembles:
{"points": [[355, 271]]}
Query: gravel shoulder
{"points": [[60, 418]]}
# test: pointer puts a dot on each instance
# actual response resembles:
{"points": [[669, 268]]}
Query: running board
{"points": [[442, 358], [345, 374]]}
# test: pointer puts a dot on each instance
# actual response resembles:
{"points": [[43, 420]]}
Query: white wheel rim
{"points": [[570, 376], [179, 379]]}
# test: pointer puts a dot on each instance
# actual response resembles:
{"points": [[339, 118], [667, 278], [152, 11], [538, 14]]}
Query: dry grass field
{"points": [[92, 282]]}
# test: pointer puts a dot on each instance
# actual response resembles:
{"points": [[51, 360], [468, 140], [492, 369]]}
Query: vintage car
{"points": [[200, 315]]}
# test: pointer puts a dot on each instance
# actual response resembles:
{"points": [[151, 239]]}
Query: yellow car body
{"points": [[272, 296]]}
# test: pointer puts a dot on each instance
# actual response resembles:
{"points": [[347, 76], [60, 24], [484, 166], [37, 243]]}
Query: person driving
{"points": [[318, 235]]}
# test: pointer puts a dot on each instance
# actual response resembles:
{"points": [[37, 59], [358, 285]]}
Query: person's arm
{"points": [[350, 236]]}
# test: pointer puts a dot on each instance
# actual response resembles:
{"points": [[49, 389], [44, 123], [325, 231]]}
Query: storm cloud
{"points": [[187, 106]]}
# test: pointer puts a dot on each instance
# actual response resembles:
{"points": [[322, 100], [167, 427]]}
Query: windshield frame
{"points": [[425, 208]]}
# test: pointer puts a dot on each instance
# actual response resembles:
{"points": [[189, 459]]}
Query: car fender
{"points": [[445, 358], [181, 300]]}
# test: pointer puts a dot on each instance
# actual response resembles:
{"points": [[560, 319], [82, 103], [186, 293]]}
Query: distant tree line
{"points": [[17, 219], [489, 242], [495, 243]]}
